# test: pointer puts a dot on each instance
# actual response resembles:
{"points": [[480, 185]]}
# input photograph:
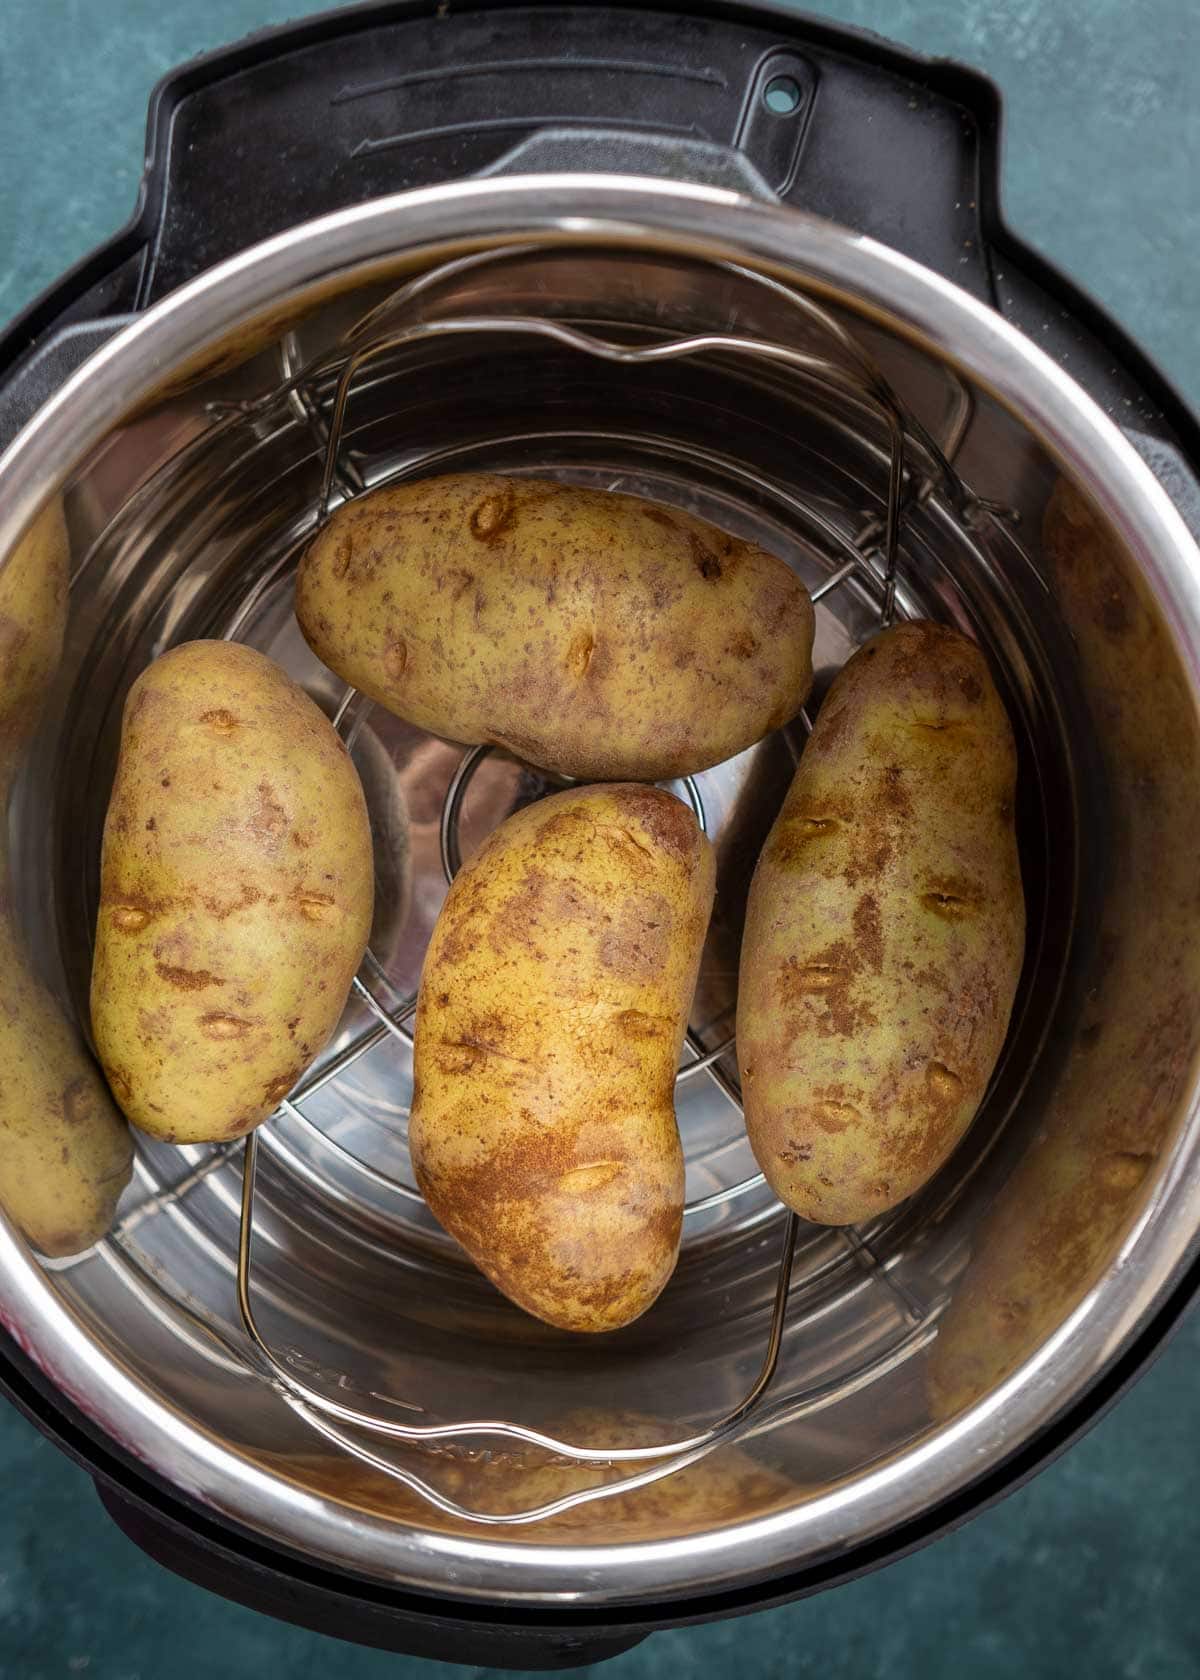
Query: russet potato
{"points": [[33, 617], [235, 895], [884, 931], [593, 634], [553, 1007], [65, 1152]]}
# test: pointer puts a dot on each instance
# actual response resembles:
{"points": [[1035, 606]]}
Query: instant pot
{"points": [[749, 265]]}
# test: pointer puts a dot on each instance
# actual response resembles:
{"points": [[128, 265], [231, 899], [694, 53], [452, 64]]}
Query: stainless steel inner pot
{"points": [[916, 1353]]}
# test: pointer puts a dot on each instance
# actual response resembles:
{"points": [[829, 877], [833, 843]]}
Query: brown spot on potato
{"points": [[276, 1089], [268, 819], [705, 559], [625, 842], [395, 659], [635, 1023], [316, 906], [187, 979], [636, 946], [872, 859], [893, 795], [666, 819], [457, 937], [14, 636], [944, 1085], [943, 726], [220, 721], [834, 1117], [245, 896], [224, 1026], [77, 1101], [151, 825], [596, 1175], [59, 1243], [813, 977], [494, 514], [579, 653], [868, 931], [130, 918], [953, 901], [828, 979], [742, 645], [831, 727], [342, 555], [970, 688], [120, 1082], [154, 1026], [789, 844], [469, 1051]]}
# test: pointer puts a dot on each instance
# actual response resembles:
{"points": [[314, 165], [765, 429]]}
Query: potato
{"points": [[235, 893], [592, 634], [552, 1010], [33, 616], [65, 1152], [884, 931]]}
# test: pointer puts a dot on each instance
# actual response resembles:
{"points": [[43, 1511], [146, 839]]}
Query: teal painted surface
{"points": [[1103, 149], [1090, 1571]]}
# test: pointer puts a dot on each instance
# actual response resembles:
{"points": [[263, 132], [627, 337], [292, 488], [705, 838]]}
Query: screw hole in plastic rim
{"points": [[782, 96]]}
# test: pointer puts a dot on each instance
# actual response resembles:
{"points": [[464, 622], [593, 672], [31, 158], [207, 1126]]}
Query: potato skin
{"points": [[235, 893], [592, 634], [552, 1010], [33, 617], [884, 931], [65, 1152]]}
